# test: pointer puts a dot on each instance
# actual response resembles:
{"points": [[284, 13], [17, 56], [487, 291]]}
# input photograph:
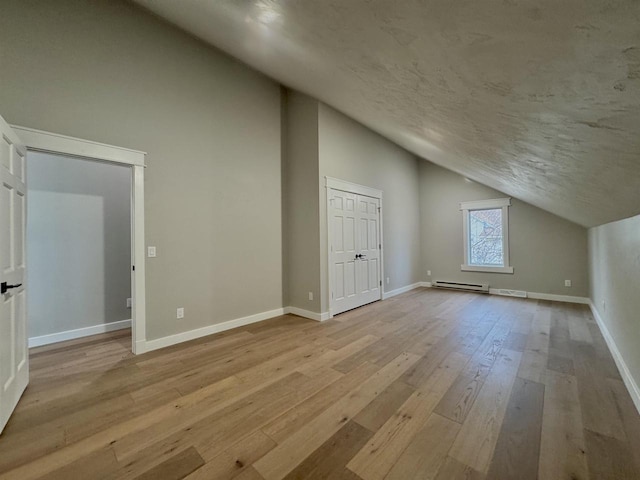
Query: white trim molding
{"points": [[486, 204], [169, 340], [466, 207], [150, 345], [558, 298], [398, 291], [485, 268], [40, 141], [358, 189], [55, 143], [78, 333], [625, 373], [318, 317]]}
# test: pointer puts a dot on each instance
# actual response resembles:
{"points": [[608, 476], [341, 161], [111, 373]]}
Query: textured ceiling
{"points": [[540, 100]]}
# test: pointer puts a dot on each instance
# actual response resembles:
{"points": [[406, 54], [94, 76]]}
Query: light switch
{"points": [[151, 252], [180, 312]]}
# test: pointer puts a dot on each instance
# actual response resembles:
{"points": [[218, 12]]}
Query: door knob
{"points": [[4, 287]]}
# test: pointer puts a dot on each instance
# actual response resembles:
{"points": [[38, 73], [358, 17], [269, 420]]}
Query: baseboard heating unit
{"points": [[509, 293], [473, 287]]}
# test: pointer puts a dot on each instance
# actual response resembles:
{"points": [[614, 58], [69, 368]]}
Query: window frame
{"points": [[493, 204]]}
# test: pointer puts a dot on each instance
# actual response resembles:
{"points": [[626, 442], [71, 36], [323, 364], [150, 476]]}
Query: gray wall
{"points": [[545, 250], [349, 151], [302, 202], [614, 262], [110, 72], [78, 243]]}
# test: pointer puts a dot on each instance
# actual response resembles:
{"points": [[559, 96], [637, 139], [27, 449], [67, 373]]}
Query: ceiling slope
{"points": [[540, 100]]}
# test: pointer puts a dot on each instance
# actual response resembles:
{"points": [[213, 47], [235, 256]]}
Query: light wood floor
{"points": [[429, 384]]}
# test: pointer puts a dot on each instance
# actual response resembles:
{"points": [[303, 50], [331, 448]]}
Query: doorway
{"points": [[85, 154], [78, 247], [354, 214]]}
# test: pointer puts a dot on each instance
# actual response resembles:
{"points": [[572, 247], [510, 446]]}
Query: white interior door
{"points": [[354, 250], [368, 264], [14, 355]]}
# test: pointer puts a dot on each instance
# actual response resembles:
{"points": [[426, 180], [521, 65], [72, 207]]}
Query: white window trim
{"points": [[466, 207]]}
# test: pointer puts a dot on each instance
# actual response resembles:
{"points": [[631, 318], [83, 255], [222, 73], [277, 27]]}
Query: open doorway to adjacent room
{"points": [[78, 247]]}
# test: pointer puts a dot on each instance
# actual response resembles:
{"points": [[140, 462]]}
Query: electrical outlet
{"points": [[128, 303], [180, 313], [567, 283], [428, 273], [388, 280], [151, 252], [310, 295]]}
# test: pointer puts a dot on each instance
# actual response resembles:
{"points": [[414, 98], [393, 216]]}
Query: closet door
{"points": [[343, 250], [354, 250], [368, 281]]}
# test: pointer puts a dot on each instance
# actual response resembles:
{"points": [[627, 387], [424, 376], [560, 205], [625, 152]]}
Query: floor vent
{"points": [[474, 287], [509, 293]]}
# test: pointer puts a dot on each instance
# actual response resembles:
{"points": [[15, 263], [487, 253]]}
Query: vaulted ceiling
{"points": [[538, 99]]}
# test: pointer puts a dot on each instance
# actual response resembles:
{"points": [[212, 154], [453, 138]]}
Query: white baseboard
{"points": [[400, 290], [558, 298], [208, 330], [78, 333], [318, 317], [408, 288], [625, 373]]}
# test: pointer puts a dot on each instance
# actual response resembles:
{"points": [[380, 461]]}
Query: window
{"points": [[486, 235]]}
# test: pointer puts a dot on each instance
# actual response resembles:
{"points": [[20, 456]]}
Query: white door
{"points": [[354, 250], [14, 354]]}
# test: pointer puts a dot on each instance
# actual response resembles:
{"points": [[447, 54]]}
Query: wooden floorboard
{"points": [[430, 384]]}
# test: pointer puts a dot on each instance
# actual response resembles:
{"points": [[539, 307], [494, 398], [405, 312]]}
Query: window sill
{"points": [[487, 269]]}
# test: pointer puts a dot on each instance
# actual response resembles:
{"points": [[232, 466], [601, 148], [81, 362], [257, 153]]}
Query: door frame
{"points": [[350, 187], [41, 141]]}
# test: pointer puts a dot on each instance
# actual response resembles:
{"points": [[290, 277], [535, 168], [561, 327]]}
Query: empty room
{"points": [[358, 240]]}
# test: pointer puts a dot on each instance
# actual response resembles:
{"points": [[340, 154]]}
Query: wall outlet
{"points": [[151, 252], [388, 280], [428, 273], [128, 303], [310, 295], [567, 283], [180, 313]]}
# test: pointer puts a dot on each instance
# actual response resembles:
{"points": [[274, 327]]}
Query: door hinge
{"points": [[133, 267], [380, 282], [379, 208], [379, 246]]}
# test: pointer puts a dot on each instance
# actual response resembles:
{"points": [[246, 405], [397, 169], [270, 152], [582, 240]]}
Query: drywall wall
{"points": [[349, 151], [111, 72], [614, 264], [302, 202], [545, 250], [78, 243]]}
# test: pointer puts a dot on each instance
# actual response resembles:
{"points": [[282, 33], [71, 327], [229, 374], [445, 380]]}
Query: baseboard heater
{"points": [[473, 287]]}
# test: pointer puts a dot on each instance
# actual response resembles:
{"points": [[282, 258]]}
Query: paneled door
{"points": [[354, 250], [14, 354]]}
